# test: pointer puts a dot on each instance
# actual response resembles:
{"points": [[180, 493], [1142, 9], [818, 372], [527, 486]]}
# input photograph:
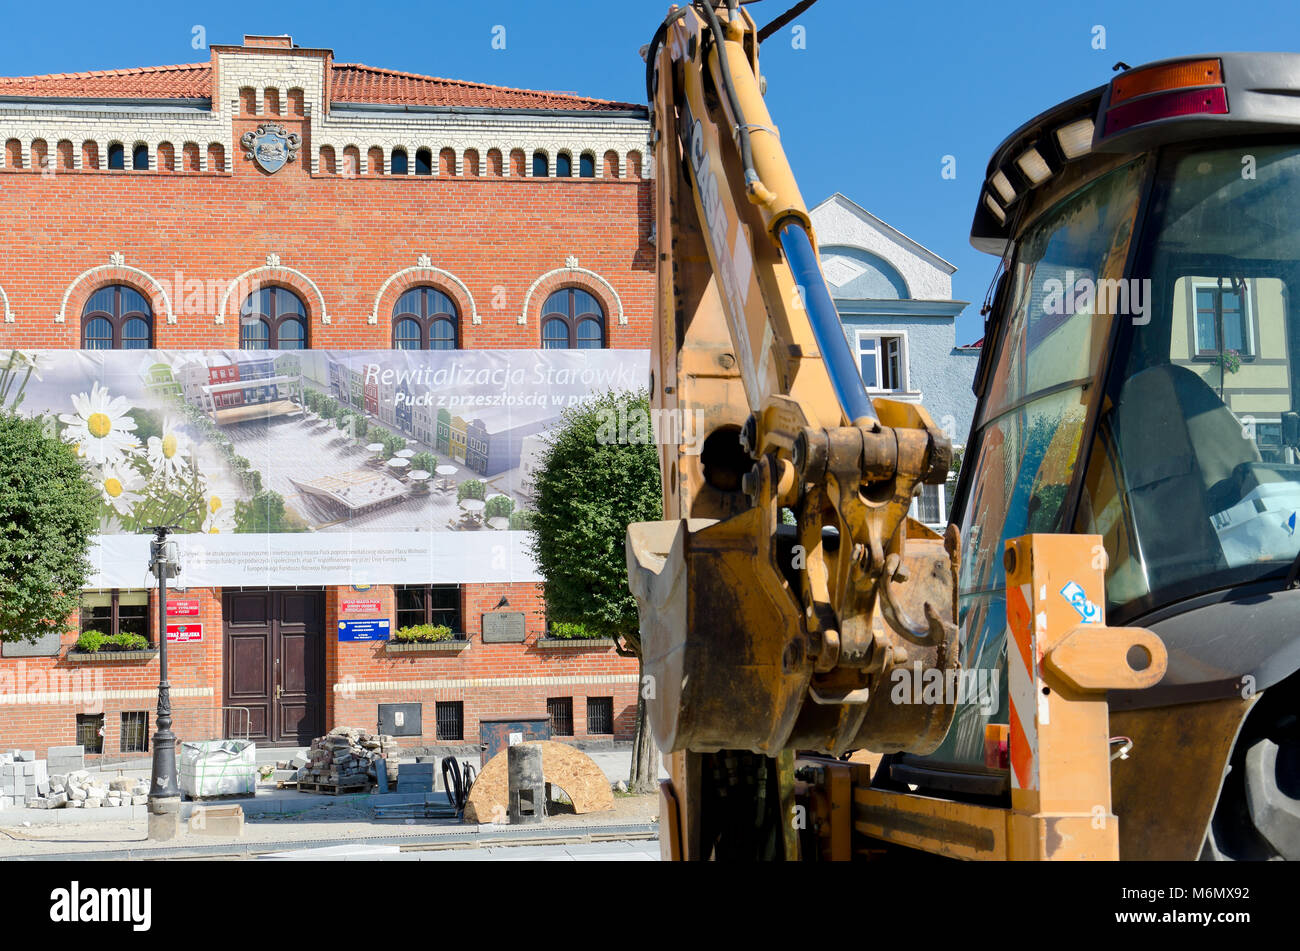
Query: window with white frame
{"points": [[882, 361], [1223, 318], [931, 506]]}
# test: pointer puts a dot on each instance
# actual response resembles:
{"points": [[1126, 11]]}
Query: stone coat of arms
{"points": [[271, 147]]}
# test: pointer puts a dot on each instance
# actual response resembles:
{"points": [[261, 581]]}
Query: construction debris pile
{"points": [[345, 757], [81, 789]]}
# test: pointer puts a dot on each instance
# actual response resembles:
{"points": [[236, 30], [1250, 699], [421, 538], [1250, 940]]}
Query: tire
{"points": [[1258, 814]]}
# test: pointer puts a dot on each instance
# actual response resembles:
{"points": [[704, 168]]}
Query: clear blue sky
{"points": [[883, 91]]}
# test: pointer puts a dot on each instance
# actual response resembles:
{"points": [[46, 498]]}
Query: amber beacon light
{"points": [[1191, 87]]}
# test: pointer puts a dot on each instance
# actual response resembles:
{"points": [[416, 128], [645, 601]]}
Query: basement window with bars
{"points": [[135, 732], [560, 710], [600, 715], [90, 732], [450, 716]]}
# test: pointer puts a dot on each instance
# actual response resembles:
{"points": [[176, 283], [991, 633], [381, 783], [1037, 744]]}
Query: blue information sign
{"points": [[369, 629]]}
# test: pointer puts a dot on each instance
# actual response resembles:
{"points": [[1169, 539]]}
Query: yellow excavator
{"points": [[831, 679]]}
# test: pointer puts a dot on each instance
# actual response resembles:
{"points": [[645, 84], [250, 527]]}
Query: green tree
{"points": [[360, 427], [499, 506], [470, 489], [264, 512], [48, 513], [588, 490], [424, 460], [328, 408]]}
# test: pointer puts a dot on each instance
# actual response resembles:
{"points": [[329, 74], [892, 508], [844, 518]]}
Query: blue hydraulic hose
{"points": [[826, 325]]}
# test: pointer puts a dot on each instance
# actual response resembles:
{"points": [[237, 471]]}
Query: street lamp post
{"points": [[164, 790]]}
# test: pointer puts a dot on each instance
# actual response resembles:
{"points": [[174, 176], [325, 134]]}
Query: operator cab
{"points": [[1139, 377]]}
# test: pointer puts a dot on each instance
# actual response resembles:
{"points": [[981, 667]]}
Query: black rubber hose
{"points": [[742, 129], [652, 53], [784, 18], [452, 786]]}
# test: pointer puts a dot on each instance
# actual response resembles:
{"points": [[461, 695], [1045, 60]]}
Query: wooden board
{"points": [[332, 789], [563, 767]]}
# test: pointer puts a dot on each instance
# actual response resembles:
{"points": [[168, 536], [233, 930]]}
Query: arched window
{"points": [[140, 158], [541, 167], [563, 166], [273, 318], [587, 165], [397, 165], [572, 319], [423, 161], [424, 318], [117, 317], [116, 156]]}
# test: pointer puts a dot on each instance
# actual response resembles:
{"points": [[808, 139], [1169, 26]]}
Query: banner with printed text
{"points": [[313, 467]]}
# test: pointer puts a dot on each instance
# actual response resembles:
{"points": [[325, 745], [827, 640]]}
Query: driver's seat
{"points": [[1178, 445]]}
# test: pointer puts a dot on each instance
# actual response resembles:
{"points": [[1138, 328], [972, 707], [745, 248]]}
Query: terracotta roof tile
{"points": [[349, 83], [187, 81], [355, 82]]}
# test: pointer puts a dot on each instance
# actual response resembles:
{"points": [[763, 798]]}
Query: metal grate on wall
{"points": [[450, 718], [560, 710], [135, 732], [90, 732], [600, 714]]}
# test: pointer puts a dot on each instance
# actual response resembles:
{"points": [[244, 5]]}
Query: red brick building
{"points": [[138, 204]]}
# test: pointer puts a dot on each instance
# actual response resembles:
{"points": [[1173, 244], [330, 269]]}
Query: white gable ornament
{"points": [[271, 147]]}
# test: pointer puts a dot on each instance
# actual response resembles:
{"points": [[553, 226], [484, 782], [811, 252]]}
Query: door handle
{"points": [[278, 691]]}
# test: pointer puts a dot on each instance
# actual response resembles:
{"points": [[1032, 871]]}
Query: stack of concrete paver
{"points": [[345, 758], [22, 777], [83, 790], [62, 760]]}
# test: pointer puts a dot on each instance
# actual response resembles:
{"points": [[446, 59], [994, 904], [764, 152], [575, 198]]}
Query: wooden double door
{"points": [[274, 652]]}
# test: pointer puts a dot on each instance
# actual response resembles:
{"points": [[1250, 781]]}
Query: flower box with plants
{"points": [[425, 637], [96, 645], [566, 634]]}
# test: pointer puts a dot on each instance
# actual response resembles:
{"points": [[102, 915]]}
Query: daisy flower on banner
{"points": [[219, 518], [26, 360], [120, 486], [167, 453], [100, 427]]}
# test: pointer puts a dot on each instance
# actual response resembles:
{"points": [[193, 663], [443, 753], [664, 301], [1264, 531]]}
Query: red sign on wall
{"points": [[184, 633], [358, 607], [182, 607]]}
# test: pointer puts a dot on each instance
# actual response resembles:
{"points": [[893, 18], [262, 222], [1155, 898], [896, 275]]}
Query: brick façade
{"points": [[185, 232]]}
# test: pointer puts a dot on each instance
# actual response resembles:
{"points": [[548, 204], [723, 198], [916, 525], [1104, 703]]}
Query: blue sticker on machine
{"points": [[1078, 598], [367, 629]]}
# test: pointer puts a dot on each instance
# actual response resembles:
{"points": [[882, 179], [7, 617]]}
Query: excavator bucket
{"points": [[715, 636]]}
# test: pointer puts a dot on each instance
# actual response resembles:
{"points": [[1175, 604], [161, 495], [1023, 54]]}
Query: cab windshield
{"points": [[1192, 477]]}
